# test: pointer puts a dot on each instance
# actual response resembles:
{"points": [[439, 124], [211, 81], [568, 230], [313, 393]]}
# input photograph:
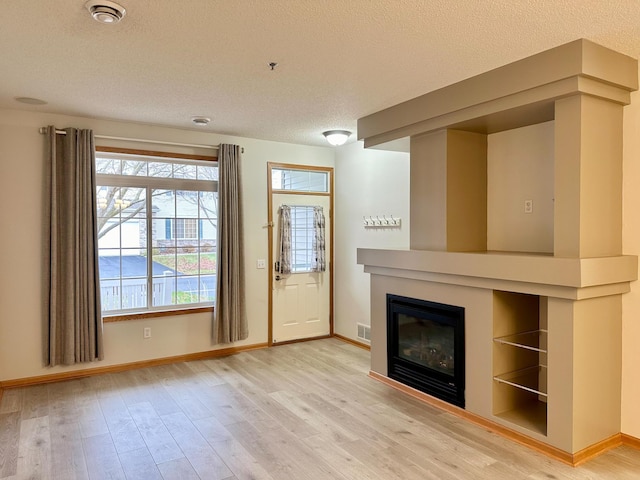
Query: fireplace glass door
{"points": [[426, 347], [427, 342]]}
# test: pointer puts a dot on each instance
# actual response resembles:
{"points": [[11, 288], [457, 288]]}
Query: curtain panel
{"points": [[283, 262], [230, 319], [75, 321], [319, 263]]}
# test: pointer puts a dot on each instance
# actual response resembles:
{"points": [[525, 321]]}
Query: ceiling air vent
{"points": [[104, 11]]}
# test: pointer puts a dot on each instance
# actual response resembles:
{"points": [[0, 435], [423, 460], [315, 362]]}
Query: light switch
{"points": [[261, 263]]}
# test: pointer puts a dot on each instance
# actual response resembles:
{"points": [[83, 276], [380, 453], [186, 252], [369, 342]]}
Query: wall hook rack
{"points": [[381, 221]]}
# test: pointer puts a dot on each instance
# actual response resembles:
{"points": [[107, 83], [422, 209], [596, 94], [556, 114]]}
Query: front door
{"points": [[300, 300]]}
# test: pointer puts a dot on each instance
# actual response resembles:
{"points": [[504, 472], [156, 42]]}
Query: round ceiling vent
{"points": [[104, 11]]}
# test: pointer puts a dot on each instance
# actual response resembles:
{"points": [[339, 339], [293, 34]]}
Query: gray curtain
{"points": [[230, 319], [319, 263], [283, 262], [75, 322]]}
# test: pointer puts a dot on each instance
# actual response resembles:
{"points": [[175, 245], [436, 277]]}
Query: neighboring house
{"points": [[187, 231]]}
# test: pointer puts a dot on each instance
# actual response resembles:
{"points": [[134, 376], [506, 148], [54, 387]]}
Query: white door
{"points": [[300, 300]]}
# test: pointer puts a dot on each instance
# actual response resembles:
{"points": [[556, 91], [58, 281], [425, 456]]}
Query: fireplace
{"points": [[425, 347]]}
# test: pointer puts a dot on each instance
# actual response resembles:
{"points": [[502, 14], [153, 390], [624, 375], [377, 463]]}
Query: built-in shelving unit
{"points": [[520, 360], [535, 383]]}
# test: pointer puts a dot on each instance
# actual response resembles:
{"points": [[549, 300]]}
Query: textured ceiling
{"points": [[338, 60]]}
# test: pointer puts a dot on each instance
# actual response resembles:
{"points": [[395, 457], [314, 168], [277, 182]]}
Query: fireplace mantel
{"points": [[569, 278]]}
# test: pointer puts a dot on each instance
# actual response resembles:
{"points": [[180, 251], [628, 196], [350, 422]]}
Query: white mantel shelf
{"points": [[538, 274]]}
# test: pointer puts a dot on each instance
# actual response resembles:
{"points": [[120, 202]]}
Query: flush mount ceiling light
{"points": [[104, 11], [201, 121], [336, 137]]}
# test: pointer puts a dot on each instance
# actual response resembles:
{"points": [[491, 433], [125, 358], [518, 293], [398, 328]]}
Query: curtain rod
{"points": [[142, 140]]}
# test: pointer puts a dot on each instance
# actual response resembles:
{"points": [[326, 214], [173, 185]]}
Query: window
{"points": [[182, 228], [157, 229], [300, 180], [302, 234]]}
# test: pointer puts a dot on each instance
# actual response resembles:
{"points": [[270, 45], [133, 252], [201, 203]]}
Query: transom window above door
{"points": [[299, 180]]}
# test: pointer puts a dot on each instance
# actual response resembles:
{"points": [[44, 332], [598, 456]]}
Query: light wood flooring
{"points": [[300, 411]]}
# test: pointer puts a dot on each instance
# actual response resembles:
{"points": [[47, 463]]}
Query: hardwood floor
{"points": [[299, 411]]}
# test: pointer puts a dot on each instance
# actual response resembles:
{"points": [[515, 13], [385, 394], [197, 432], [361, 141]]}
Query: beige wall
{"points": [[519, 168], [21, 194], [367, 182], [631, 246]]}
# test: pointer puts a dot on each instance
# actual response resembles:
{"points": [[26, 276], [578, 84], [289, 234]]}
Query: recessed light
{"points": [[201, 121], [104, 11], [30, 101]]}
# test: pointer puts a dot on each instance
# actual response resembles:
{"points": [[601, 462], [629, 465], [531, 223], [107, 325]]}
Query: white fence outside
{"points": [[133, 292]]}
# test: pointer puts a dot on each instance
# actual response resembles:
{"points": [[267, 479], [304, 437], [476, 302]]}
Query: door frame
{"points": [[271, 224]]}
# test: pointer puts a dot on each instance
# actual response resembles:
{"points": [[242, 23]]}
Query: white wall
{"points": [[519, 168], [21, 245], [367, 182]]}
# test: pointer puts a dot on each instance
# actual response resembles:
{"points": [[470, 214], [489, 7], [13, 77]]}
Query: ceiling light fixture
{"points": [[201, 121], [336, 137], [104, 11]]}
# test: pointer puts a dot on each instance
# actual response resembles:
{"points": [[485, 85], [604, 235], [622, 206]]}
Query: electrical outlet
{"points": [[146, 333], [528, 206]]}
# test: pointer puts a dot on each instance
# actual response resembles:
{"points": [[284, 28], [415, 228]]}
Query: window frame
{"points": [[167, 183]]}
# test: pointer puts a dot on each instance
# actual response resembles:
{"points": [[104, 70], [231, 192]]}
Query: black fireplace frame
{"points": [[435, 383]]}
